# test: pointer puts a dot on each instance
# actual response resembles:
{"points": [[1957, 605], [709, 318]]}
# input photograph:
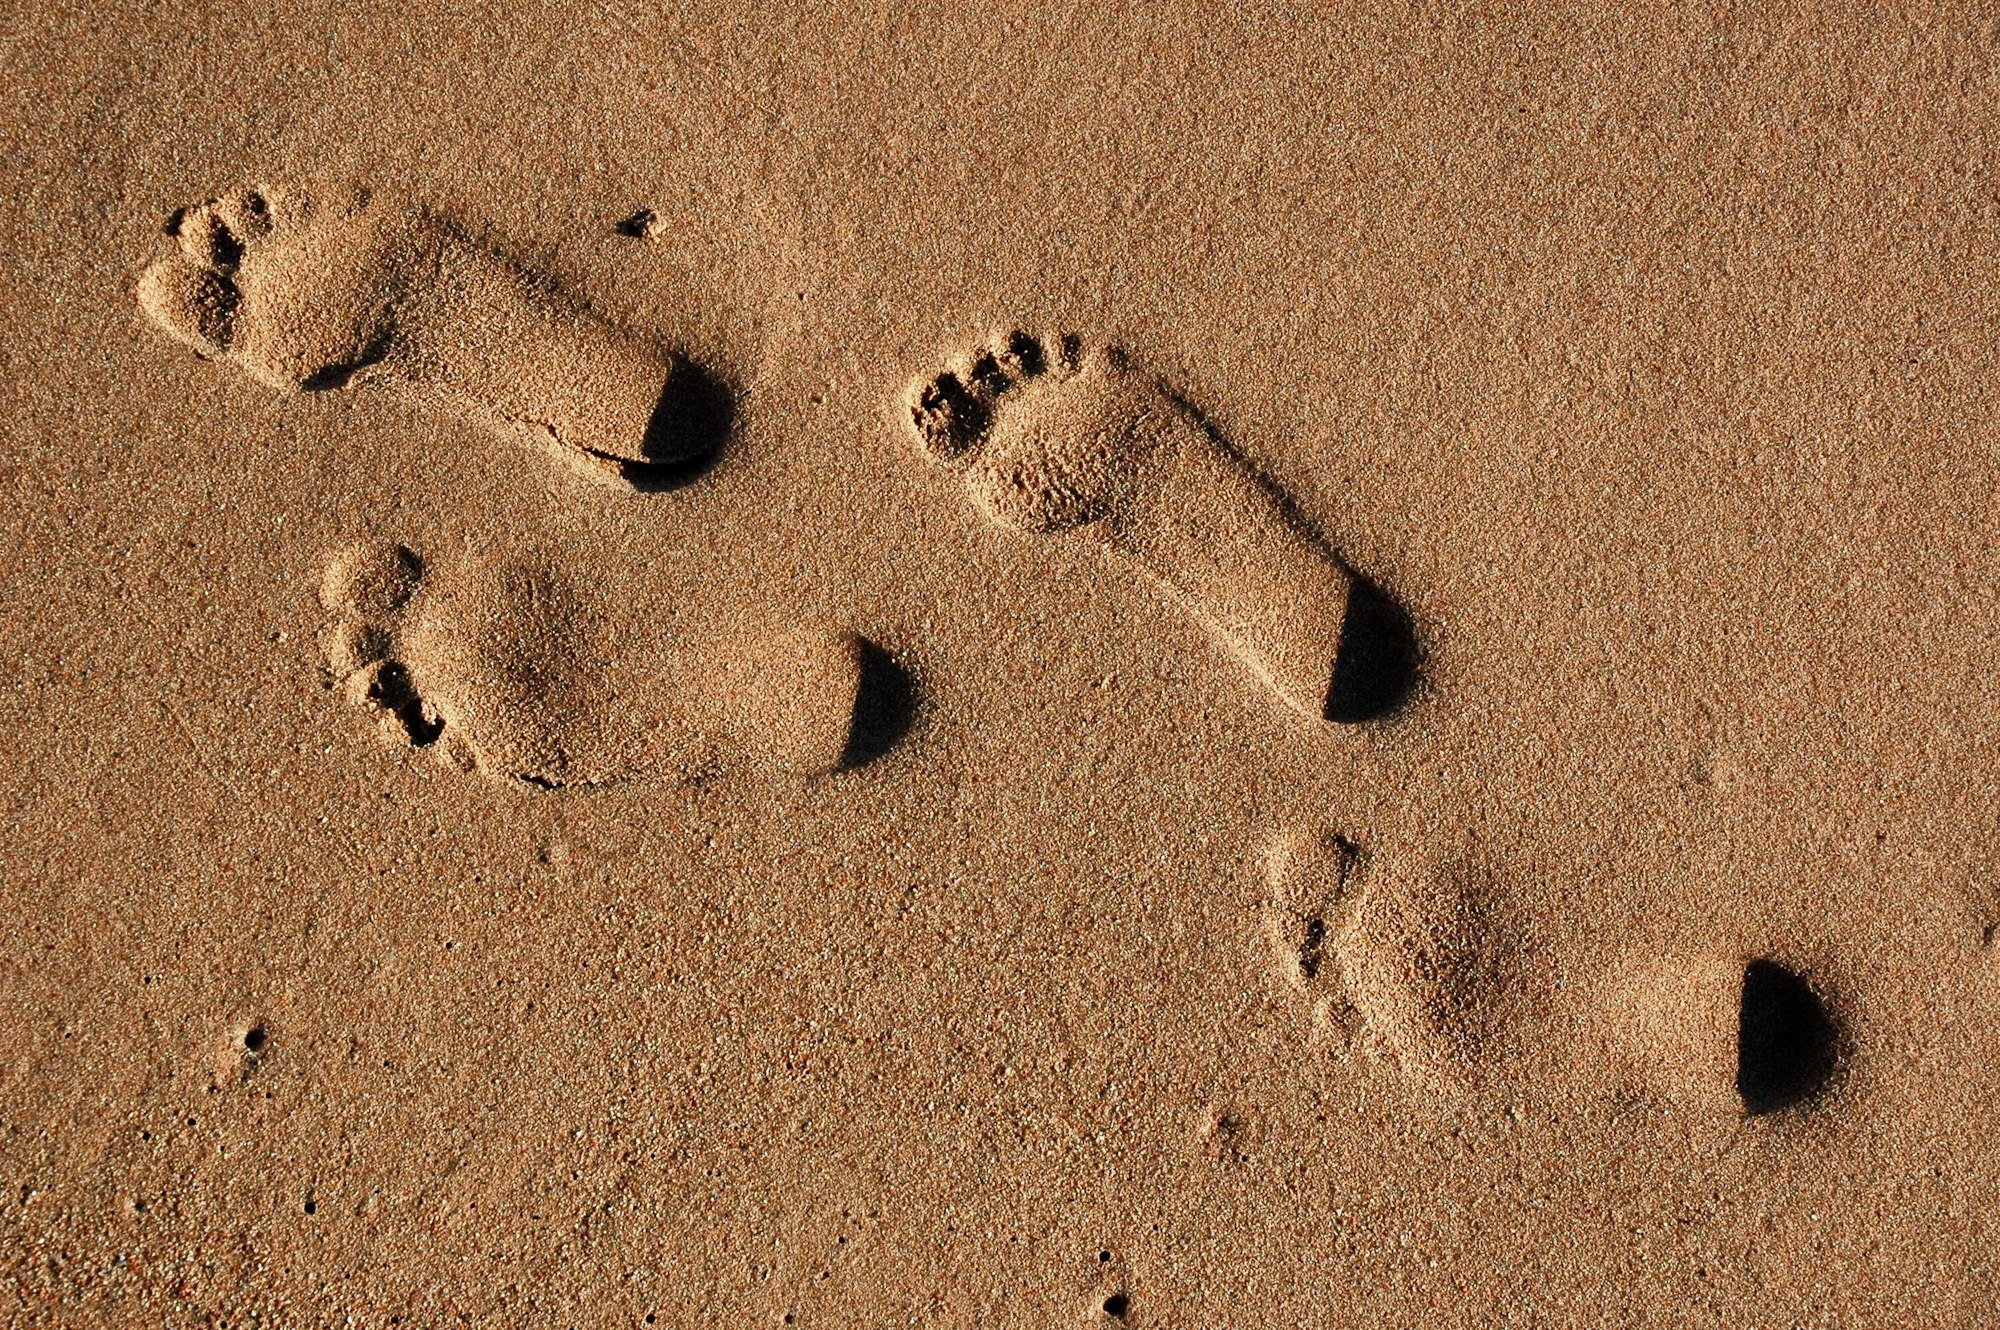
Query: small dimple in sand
{"points": [[307, 293], [238, 1053], [1053, 437], [510, 668]]}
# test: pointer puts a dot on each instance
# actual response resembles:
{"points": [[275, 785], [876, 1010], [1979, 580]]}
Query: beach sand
{"points": [[857, 666]]}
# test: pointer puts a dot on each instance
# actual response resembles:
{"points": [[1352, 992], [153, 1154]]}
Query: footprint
{"points": [[510, 669], [306, 294], [1054, 437], [1437, 974], [1423, 972], [1308, 915], [1719, 1034], [1442, 975]]}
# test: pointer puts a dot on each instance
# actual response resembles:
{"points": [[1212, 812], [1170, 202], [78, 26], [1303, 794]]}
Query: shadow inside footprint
{"points": [[689, 424], [1377, 663], [392, 691], [335, 376], [1785, 1042], [884, 707]]}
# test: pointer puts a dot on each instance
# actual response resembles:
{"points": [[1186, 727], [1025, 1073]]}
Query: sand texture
{"points": [[1201, 667]]}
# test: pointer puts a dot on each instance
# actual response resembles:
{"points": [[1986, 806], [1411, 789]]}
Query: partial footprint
{"points": [[1311, 908], [304, 294], [1719, 1034], [1055, 438], [1443, 975], [510, 669]]}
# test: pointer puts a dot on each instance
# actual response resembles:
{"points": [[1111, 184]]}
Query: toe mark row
{"points": [[954, 410]]}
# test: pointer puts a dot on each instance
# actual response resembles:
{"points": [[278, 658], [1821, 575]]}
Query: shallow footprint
{"points": [[305, 294], [509, 669], [1051, 438], [1440, 968], [1314, 897]]}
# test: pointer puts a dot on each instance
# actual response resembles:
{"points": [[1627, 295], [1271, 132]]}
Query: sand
{"points": [[870, 666]]}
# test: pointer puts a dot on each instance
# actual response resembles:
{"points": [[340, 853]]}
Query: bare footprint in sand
{"points": [[305, 294], [1308, 915], [1434, 972], [1718, 1033], [1054, 438], [510, 669], [1424, 971]]}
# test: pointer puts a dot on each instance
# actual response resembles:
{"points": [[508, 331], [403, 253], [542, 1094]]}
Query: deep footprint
{"points": [[308, 294], [1052, 437], [509, 669]]}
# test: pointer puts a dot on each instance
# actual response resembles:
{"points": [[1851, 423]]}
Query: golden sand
{"points": [[839, 666]]}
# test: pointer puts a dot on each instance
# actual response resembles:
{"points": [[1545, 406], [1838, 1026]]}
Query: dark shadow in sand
{"points": [[691, 422], [1786, 1041], [1376, 669], [884, 709]]}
